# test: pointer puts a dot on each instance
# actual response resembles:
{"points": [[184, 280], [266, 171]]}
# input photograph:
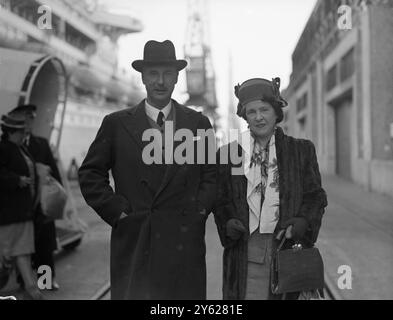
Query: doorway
{"points": [[343, 111]]}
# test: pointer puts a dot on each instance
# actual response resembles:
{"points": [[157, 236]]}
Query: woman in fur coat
{"points": [[267, 182]]}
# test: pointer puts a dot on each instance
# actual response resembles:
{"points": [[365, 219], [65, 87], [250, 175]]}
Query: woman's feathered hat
{"points": [[259, 89]]}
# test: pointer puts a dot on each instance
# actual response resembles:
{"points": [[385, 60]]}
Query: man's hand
{"points": [[24, 181], [235, 229]]}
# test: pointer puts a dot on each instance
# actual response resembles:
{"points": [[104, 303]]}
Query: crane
{"points": [[200, 72]]}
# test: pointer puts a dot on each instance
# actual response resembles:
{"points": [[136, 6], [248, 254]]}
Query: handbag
{"points": [[296, 269], [53, 198]]}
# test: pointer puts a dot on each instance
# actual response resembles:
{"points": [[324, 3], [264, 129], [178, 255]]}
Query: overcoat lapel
{"points": [[183, 120], [136, 123]]}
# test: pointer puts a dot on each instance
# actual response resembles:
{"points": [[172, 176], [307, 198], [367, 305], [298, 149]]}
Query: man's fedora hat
{"points": [[159, 53]]}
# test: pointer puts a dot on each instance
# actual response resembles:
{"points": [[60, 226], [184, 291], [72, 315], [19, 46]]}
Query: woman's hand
{"points": [[235, 229], [296, 228]]}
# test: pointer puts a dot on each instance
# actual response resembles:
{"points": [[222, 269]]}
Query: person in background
{"points": [[45, 230], [72, 172], [18, 186], [278, 188]]}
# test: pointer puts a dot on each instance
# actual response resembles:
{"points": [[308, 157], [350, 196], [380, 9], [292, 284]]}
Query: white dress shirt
{"points": [[152, 112]]}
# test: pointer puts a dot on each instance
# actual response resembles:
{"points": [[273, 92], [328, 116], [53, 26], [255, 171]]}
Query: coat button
{"points": [[179, 247], [158, 236], [184, 228]]}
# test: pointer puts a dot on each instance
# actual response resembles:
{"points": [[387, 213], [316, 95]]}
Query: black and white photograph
{"points": [[196, 154]]}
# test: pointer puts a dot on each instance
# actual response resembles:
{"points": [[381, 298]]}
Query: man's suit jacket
{"points": [[158, 250]]}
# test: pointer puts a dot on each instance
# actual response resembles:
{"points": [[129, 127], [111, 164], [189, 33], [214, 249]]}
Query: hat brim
{"points": [[9, 121], [12, 124], [139, 64]]}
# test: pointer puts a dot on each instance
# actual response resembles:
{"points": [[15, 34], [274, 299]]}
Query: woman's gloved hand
{"points": [[296, 228], [235, 229]]}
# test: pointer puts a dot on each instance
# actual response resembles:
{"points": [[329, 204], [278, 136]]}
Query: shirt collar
{"points": [[247, 142], [152, 112]]}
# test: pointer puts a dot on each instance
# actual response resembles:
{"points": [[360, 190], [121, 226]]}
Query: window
{"points": [[301, 103], [347, 66], [331, 80], [302, 125]]}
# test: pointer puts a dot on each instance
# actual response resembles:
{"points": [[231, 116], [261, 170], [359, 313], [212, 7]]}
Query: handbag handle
{"points": [[281, 236]]}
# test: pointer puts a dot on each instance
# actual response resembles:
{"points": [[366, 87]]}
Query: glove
{"points": [[297, 227], [235, 229]]}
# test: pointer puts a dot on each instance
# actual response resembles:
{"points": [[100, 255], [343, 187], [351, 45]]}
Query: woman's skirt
{"points": [[17, 239], [258, 266]]}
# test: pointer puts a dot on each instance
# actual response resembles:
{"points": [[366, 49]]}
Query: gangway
{"points": [[41, 79]]}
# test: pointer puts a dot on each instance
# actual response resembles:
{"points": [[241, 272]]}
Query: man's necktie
{"points": [[160, 119]]}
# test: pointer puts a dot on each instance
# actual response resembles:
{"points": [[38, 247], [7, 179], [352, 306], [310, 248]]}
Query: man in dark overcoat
{"points": [[157, 211]]}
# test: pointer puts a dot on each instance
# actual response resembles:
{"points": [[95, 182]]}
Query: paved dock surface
{"points": [[357, 232]]}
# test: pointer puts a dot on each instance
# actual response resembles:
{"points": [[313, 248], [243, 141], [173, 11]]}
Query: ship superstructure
{"points": [[84, 38]]}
